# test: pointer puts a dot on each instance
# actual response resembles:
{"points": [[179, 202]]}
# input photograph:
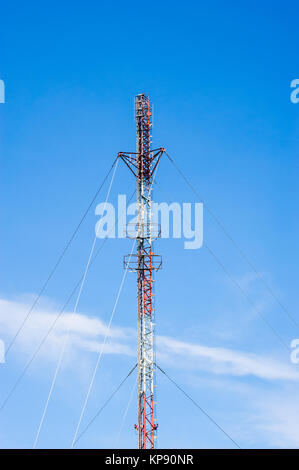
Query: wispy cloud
{"points": [[224, 361], [87, 333], [267, 415]]}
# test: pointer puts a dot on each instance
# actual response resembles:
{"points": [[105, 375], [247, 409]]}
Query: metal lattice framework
{"points": [[143, 164]]}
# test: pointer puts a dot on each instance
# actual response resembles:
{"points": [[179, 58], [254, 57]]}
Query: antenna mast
{"points": [[143, 164]]}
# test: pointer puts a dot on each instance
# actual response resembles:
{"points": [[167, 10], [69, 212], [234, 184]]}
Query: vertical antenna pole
{"points": [[143, 164], [146, 407]]}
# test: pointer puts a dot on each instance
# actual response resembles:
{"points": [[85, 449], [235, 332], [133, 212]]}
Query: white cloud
{"points": [[268, 416], [87, 333], [224, 361]]}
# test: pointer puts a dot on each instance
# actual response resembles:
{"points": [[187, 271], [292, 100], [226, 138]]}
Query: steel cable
{"points": [[199, 407], [242, 253], [54, 322], [53, 270], [104, 405], [69, 323], [102, 349]]}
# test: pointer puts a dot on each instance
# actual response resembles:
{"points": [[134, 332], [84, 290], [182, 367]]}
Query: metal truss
{"points": [[143, 164]]}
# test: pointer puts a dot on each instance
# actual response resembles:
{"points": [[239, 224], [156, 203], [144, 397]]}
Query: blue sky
{"points": [[219, 78]]}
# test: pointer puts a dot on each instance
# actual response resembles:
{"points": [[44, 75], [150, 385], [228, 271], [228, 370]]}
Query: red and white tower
{"points": [[143, 164]]}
